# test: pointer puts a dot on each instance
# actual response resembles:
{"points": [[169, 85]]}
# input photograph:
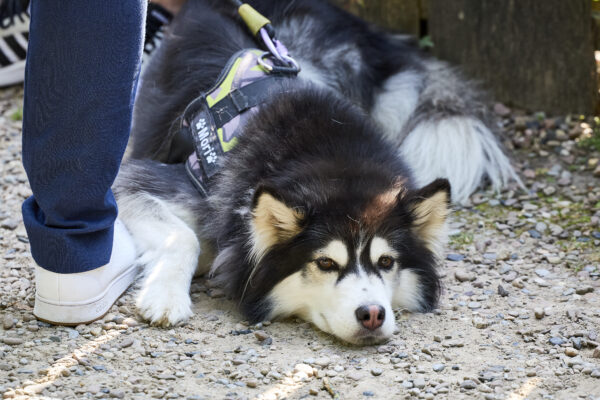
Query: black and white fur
{"points": [[330, 170]]}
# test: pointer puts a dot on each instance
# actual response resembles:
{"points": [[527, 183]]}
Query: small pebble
{"points": [[12, 341], [438, 367], [571, 352], [419, 383], [464, 276], [539, 313], [261, 335], [584, 290], [556, 341], [468, 384], [455, 257], [8, 322], [501, 291]]}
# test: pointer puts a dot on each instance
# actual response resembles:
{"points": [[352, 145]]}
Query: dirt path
{"points": [[519, 317]]}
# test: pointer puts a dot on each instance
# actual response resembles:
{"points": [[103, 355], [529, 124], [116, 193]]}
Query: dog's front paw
{"points": [[163, 307]]}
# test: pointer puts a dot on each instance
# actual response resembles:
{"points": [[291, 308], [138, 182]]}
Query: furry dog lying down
{"points": [[332, 205]]}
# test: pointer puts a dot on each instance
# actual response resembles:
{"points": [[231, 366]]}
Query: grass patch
{"points": [[462, 239], [17, 115]]}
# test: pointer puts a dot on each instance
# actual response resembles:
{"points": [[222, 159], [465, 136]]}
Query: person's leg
{"points": [[82, 68]]}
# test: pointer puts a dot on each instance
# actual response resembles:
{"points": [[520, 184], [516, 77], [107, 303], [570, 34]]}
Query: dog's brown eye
{"points": [[326, 263], [385, 262]]}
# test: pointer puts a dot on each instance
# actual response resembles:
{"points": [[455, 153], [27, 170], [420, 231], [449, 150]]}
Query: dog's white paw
{"points": [[163, 306]]}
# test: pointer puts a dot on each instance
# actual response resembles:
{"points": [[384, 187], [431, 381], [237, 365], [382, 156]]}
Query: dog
{"points": [[333, 204]]}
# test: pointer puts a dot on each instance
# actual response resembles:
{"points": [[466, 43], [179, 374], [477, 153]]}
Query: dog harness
{"points": [[215, 119]]}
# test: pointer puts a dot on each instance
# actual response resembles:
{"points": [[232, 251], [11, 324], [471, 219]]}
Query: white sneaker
{"points": [[80, 298]]}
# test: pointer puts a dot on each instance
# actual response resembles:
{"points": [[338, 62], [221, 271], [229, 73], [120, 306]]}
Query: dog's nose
{"points": [[371, 316]]}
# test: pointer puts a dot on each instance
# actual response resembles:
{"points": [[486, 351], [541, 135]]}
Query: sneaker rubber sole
{"points": [[12, 74], [71, 314]]}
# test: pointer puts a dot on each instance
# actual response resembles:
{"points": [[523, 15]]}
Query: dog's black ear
{"points": [[273, 221], [430, 207]]}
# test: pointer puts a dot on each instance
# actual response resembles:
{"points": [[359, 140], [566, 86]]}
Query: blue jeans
{"points": [[83, 64]]}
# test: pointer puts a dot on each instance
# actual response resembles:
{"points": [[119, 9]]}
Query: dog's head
{"points": [[343, 261]]}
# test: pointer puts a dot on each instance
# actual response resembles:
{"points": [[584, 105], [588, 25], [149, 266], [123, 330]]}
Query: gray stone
{"points": [[10, 224], [438, 367], [167, 377], [252, 383], [261, 335], [355, 375], [455, 257], [12, 341], [464, 276], [481, 323], [584, 290], [73, 334], [127, 342], [468, 384], [542, 273], [130, 322], [511, 276], [555, 229], [376, 371], [322, 362], [8, 322], [118, 394], [502, 292], [539, 313], [541, 227], [556, 341], [419, 383]]}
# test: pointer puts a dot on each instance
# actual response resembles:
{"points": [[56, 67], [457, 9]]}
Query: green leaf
{"points": [[425, 42]]}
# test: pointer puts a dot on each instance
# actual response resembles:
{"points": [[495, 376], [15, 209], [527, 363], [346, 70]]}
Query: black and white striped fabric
{"points": [[14, 36], [13, 48]]}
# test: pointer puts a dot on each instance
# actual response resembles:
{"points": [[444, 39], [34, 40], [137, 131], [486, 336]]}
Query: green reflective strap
{"points": [[253, 19]]}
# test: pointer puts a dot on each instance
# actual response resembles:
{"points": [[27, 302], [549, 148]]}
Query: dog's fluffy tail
{"points": [[451, 134]]}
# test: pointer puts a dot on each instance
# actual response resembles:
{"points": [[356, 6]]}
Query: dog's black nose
{"points": [[371, 316]]}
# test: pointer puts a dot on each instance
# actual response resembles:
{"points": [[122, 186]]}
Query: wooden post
{"points": [[533, 54], [397, 15]]}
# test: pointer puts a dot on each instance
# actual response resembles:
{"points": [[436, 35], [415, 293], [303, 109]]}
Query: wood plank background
{"points": [[537, 55]]}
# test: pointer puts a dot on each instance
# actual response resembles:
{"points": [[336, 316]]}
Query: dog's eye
{"points": [[326, 263], [385, 262]]}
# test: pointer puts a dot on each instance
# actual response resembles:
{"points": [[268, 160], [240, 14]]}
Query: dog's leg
{"points": [[443, 127], [162, 224]]}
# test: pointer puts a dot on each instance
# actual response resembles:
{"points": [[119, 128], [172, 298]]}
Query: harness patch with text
{"points": [[216, 118]]}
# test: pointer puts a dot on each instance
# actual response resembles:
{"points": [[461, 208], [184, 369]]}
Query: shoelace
{"points": [[11, 9]]}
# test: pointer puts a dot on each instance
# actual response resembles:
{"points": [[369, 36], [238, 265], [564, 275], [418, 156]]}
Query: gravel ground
{"points": [[519, 317]]}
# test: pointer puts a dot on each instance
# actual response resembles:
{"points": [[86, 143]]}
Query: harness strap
{"points": [[245, 98]]}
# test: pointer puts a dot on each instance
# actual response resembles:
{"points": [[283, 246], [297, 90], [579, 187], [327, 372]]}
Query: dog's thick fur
{"points": [[328, 171]]}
